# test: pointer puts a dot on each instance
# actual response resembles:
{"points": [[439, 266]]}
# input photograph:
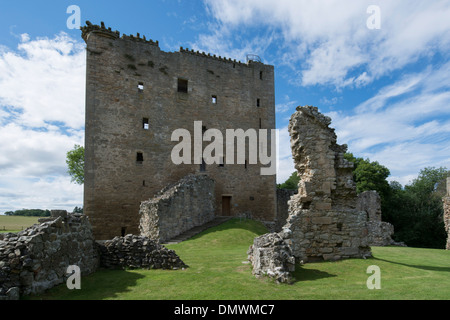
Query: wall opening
{"points": [[258, 102], [145, 124], [123, 232], [261, 75], [182, 85], [139, 157], [226, 206], [214, 99], [141, 87]]}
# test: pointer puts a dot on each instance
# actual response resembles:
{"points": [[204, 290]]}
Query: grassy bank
{"points": [[216, 272]]}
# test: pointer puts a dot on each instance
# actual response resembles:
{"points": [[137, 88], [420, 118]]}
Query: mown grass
{"points": [[16, 223], [216, 272]]}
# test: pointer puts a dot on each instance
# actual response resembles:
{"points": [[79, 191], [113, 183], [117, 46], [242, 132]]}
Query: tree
{"points": [[78, 210], [417, 213], [370, 176], [291, 183], [75, 163]]}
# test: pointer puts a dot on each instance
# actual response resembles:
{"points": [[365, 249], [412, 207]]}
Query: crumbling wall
{"points": [[137, 252], [37, 258], [323, 217], [380, 232], [283, 197], [324, 222], [447, 213], [178, 208]]}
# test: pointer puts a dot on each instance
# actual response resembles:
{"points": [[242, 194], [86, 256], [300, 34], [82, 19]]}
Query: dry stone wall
{"points": [[138, 252], [178, 208], [37, 258], [447, 213]]}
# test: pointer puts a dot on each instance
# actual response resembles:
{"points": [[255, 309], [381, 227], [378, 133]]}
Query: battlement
{"points": [[109, 33]]}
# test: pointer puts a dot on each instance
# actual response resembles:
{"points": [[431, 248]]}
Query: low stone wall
{"points": [[37, 258], [138, 252], [178, 208]]}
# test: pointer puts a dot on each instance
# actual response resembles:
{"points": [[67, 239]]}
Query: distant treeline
{"points": [[29, 213]]}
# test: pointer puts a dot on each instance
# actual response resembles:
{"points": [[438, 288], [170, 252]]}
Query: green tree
{"points": [[370, 176], [416, 210], [291, 183], [75, 163]]}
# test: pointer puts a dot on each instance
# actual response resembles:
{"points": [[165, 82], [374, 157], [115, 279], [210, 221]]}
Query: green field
{"points": [[16, 223], [217, 272]]}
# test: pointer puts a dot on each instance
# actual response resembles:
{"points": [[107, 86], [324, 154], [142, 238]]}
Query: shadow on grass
{"points": [[102, 285], [428, 268], [301, 274]]}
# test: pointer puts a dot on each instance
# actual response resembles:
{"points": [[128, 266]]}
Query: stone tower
{"points": [[136, 96]]}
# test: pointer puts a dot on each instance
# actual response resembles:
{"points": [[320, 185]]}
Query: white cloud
{"points": [[328, 40], [43, 81], [42, 97]]}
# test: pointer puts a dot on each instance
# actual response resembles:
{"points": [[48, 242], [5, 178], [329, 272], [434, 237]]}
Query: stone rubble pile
{"points": [[270, 255], [138, 252]]}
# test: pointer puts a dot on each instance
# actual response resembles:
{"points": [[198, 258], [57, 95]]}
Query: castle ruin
{"points": [[136, 96], [446, 201]]}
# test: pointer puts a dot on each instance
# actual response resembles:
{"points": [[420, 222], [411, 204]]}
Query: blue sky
{"points": [[386, 89]]}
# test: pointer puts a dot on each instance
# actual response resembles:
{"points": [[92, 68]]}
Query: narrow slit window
{"points": [[141, 87], [214, 99], [246, 164], [123, 232], [261, 75], [145, 124], [182, 86], [260, 123], [140, 157], [258, 102]]}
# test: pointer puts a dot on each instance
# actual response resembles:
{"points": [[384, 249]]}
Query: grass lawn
{"points": [[216, 272], [16, 223]]}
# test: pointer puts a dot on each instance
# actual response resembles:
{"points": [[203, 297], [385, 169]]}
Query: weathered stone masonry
{"points": [[323, 217], [446, 201], [136, 96], [178, 208], [37, 258], [324, 222]]}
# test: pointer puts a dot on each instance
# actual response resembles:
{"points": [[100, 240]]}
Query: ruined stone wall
{"points": [[137, 252], [283, 197], [380, 232], [133, 106], [187, 204], [447, 213], [37, 258], [323, 217]]}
